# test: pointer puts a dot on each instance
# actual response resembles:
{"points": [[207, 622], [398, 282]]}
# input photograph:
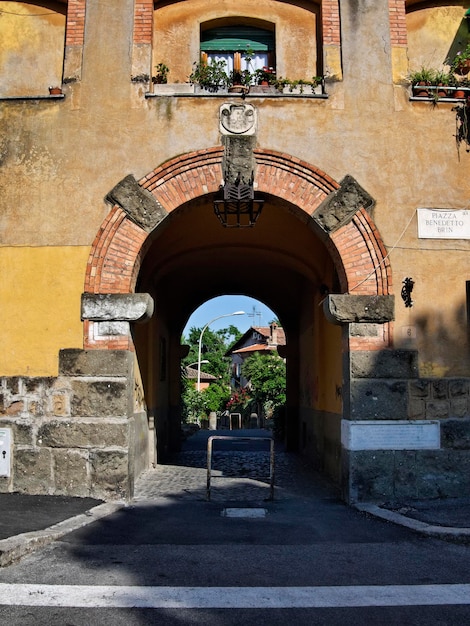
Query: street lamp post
{"points": [[200, 343], [196, 363]]}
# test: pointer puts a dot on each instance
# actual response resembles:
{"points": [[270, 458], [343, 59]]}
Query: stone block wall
{"points": [[74, 434], [387, 386]]}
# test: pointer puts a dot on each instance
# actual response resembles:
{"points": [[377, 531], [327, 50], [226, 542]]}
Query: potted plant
{"points": [[211, 76], [420, 80], [459, 92], [316, 81], [239, 81], [460, 64], [297, 86], [442, 79], [161, 77], [265, 76]]}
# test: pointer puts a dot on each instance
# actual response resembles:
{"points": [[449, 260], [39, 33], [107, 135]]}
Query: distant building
{"points": [[262, 339], [205, 379]]}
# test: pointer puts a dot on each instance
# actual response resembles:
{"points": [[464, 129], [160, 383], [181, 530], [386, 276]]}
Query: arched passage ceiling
{"points": [[192, 258]]}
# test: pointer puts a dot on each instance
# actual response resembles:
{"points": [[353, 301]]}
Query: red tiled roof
{"points": [[257, 347], [192, 373], [266, 332]]}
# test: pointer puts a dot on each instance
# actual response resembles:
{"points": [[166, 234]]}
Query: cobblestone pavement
{"points": [[235, 476]]}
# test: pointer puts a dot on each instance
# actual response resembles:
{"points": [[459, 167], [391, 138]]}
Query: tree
{"points": [[214, 346], [267, 376]]}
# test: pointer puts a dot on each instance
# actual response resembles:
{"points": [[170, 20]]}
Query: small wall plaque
{"points": [[391, 435], [237, 119], [443, 224]]}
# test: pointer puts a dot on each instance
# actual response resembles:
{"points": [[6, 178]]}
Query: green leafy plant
{"points": [[463, 125], [265, 74], [212, 75], [300, 83], [161, 77], [423, 76], [440, 81], [460, 60], [243, 77], [267, 376], [215, 397], [443, 78]]}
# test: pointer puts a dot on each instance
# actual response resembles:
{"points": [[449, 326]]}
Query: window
{"points": [[228, 43]]}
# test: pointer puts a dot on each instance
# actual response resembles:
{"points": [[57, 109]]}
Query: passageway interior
{"points": [[281, 261]]}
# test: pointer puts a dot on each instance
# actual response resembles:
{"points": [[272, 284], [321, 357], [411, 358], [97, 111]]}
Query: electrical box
{"points": [[5, 451]]}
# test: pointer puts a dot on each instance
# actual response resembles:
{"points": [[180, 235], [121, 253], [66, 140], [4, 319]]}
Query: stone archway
{"points": [[337, 213]]}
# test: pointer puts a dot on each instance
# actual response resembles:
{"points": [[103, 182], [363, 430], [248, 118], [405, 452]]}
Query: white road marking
{"points": [[85, 596]]}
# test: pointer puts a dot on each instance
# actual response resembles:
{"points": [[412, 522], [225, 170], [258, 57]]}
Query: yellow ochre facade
{"points": [[109, 241]]}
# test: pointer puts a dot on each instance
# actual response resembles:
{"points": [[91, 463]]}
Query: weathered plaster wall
{"points": [[66, 155], [31, 54], [434, 34], [40, 295]]}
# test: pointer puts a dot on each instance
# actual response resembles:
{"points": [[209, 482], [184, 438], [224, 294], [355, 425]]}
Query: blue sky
{"points": [[257, 314]]}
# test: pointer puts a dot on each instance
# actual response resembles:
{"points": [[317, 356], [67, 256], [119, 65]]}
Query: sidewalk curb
{"points": [[13, 548], [458, 535]]}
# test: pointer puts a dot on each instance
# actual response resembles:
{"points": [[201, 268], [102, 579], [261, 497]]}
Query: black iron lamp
{"points": [[236, 206]]}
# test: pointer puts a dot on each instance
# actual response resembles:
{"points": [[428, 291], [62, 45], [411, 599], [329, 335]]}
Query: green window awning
{"points": [[236, 38]]}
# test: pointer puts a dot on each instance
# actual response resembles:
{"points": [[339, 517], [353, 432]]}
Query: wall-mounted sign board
{"points": [[443, 224], [390, 435]]}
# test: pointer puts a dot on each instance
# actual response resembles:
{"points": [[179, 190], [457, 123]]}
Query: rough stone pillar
{"points": [[100, 422], [376, 395]]}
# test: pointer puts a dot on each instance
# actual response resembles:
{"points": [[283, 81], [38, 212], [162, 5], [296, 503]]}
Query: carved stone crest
{"points": [[237, 119]]}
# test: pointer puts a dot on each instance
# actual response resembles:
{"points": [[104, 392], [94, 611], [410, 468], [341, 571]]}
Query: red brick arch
{"points": [[356, 247]]}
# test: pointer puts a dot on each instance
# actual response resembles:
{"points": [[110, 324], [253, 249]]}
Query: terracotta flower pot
{"points": [[459, 93], [238, 89], [55, 91], [463, 68], [421, 90]]}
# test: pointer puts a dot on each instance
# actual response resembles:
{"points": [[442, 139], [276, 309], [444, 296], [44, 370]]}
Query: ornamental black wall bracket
{"points": [[408, 284], [236, 206]]}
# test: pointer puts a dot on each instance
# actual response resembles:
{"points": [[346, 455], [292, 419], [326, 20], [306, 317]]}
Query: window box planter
{"points": [[421, 90], [437, 92], [173, 89], [209, 90], [302, 90], [263, 89]]}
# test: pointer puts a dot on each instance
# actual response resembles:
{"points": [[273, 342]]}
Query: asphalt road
{"points": [[307, 559]]}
